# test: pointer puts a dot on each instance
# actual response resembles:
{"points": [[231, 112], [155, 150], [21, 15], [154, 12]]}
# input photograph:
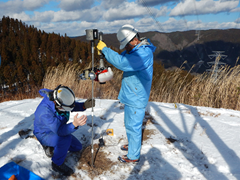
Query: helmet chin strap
{"points": [[58, 108], [61, 109], [132, 47], [136, 42]]}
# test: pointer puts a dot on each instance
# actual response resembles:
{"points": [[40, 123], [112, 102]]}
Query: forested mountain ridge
{"points": [[26, 53], [192, 46]]}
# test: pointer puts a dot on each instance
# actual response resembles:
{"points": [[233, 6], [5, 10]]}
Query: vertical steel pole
{"points": [[92, 34], [92, 44]]}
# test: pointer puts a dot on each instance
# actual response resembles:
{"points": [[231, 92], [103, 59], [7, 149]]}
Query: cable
{"points": [[199, 32], [152, 15], [237, 21], [156, 21]]}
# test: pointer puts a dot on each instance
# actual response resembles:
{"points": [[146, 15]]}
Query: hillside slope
{"points": [[176, 47]]}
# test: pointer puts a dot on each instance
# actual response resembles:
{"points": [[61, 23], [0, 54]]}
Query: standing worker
{"points": [[137, 64], [51, 127]]}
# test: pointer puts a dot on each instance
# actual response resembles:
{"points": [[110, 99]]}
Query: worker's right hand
{"points": [[89, 103], [79, 121]]}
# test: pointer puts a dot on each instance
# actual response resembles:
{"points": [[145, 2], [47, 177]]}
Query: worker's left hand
{"points": [[101, 45], [89, 103]]}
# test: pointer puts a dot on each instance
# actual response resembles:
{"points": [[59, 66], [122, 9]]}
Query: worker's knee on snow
{"points": [[75, 147]]}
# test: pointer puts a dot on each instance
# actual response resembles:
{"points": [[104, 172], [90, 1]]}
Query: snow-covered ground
{"points": [[207, 142]]}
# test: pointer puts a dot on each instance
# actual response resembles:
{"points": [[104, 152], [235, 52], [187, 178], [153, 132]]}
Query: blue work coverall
{"points": [[51, 128], [137, 67]]}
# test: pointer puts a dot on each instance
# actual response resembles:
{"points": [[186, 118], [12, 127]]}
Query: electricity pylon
{"points": [[215, 64]]}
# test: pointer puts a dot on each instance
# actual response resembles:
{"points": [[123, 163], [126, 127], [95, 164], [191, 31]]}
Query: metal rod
{"points": [[92, 44]]}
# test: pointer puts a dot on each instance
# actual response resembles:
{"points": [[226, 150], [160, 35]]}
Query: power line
{"points": [[157, 22], [194, 44], [151, 14]]}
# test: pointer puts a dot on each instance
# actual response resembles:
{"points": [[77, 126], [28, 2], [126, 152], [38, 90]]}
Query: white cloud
{"points": [[72, 5], [237, 9], [61, 16], [91, 15], [163, 11], [18, 6], [110, 15], [107, 4], [131, 10], [146, 24], [172, 25], [227, 0], [193, 7], [153, 2], [125, 11], [33, 4], [46, 16], [78, 28], [11, 7], [21, 16]]}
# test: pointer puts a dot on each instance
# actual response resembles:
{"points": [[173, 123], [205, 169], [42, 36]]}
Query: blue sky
{"points": [[73, 17]]}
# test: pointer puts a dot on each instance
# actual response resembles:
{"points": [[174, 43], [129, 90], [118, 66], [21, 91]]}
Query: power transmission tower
{"points": [[215, 64], [197, 33]]}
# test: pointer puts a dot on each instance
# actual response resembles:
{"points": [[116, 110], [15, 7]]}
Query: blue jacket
{"points": [[48, 120], [137, 67]]}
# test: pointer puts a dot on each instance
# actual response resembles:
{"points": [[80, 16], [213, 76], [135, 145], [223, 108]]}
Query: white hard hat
{"points": [[125, 34], [64, 97]]}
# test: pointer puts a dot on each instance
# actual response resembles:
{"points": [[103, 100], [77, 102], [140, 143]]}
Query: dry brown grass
{"points": [[27, 93], [175, 86], [69, 76], [200, 90]]}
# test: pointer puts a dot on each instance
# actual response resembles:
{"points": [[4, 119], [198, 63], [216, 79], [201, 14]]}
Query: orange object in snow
{"points": [[13, 177], [109, 132]]}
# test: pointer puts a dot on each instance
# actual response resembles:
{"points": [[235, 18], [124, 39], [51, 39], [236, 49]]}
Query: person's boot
{"points": [[125, 159], [62, 169], [124, 147], [48, 151]]}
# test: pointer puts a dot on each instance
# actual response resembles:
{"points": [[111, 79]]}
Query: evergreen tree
{"points": [[27, 53]]}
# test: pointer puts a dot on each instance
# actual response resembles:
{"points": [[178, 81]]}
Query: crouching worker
{"points": [[51, 127]]}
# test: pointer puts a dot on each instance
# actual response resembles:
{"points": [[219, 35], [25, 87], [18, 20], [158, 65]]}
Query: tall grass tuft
{"points": [[68, 75], [26, 93]]}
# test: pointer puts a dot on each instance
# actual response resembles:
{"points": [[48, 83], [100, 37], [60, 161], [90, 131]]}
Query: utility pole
{"points": [[215, 64]]}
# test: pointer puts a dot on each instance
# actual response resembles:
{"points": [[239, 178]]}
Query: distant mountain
{"points": [[191, 46]]}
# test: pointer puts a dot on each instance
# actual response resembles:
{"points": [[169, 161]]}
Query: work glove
{"points": [[89, 102], [101, 45]]}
